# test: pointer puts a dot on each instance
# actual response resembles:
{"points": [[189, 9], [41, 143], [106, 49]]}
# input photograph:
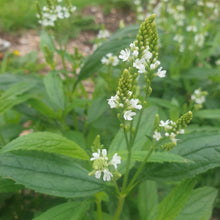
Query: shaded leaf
{"points": [[201, 148], [69, 210], [49, 173], [174, 202], [54, 87], [199, 205], [47, 142]]}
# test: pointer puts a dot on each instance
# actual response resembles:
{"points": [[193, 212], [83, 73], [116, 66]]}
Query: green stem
{"points": [[125, 180], [99, 209], [119, 208], [132, 183]]}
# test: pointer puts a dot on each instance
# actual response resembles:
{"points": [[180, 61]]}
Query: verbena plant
{"points": [[102, 153]]}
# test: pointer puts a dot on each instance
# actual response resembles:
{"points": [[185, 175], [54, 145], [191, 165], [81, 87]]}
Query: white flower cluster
{"points": [[168, 130], [49, 16], [103, 34], [143, 63], [110, 59], [101, 37], [101, 164], [198, 96], [129, 105]]}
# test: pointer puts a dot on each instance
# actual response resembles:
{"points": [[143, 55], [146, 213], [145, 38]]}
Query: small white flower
{"points": [[107, 175], [124, 54], [173, 138], [113, 101], [191, 28], [167, 134], [157, 136], [133, 47], [134, 104], [147, 54], [178, 38], [135, 53], [115, 160], [103, 34], [98, 174], [154, 65], [95, 155], [128, 115], [181, 131], [139, 64], [165, 124], [161, 73], [198, 97], [129, 93]]}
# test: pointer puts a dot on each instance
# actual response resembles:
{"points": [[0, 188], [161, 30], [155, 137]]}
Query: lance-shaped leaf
{"points": [[54, 87], [121, 39], [201, 148], [199, 205], [69, 210], [17, 94], [174, 202], [49, 173], [47, 142]]}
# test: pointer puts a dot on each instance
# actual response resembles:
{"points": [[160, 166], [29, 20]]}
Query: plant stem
{"points": [[119, 208], [99, 209], [127, 171], [130, 186]]}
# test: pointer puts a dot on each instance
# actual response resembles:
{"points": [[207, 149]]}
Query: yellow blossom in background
{"points": [[16, 52]]}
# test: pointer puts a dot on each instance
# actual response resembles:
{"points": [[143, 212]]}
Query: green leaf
{"points": [[208, 114], [69, 210], [119, 40], [201, 148], [7, 186], [41, 107], [200, 73], [147, 199], [145, 128], [47, 142], [96, 109], [17, 94], [174, 202], [49, 173], [155, 157], [7, 80], [46, 40], [54, 87], [199, 205]]}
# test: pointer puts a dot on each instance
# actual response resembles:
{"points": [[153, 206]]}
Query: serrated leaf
{"points": [[54, 88], [17, 94], [199, 205], [174, 202], [147, 199], [49, 173], [208, 114], [119, 40], [69, 210], [201, 148], [47, 142], [7, 186]]}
